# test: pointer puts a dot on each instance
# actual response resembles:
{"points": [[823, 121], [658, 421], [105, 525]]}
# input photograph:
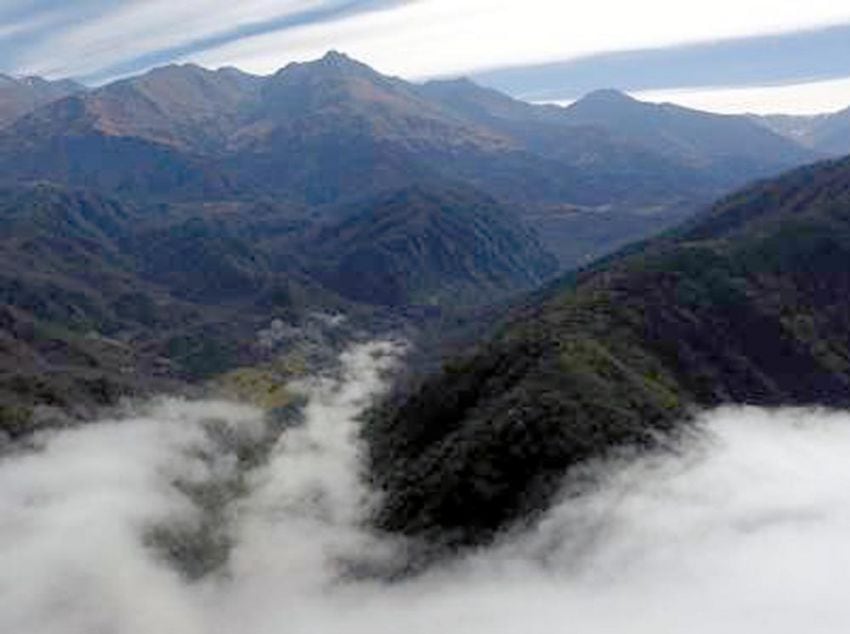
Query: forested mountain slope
{"points": [[747, 304]]}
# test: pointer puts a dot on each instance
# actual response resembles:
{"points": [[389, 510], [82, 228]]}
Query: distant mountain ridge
{"points": [[721, 142], [19, 96], [825, 133]]}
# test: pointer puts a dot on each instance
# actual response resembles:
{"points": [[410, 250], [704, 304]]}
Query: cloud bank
{"points": [[743, 529], [809, 98], [433, 37], [799, 58]]}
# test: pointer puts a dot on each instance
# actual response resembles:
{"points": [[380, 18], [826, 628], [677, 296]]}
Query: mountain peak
{"points": [[343, 64], [607, 96], [606, 103], [473, 99], [176, 70], [232, 71], [336, 57], [333, 63], [460, 87], [336, 61], [190, 82]]}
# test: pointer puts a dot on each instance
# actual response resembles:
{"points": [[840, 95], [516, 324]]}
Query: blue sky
{"points": [[759, 55]]}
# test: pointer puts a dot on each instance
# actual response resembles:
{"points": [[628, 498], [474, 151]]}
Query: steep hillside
{"points": [[186, 107], [103, 298], [429, 244], [72, 307], [58, 144], [748, 304], [133, 297]]}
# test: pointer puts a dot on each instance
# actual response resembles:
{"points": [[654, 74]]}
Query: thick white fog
{"points": [[745, 529]]}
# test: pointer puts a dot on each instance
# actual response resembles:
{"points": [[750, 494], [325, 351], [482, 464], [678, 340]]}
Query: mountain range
{"points": [[328, 131], [152, 226]]}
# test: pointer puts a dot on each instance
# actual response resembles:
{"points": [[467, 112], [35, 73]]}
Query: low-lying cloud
{"points": [[742, 529]]}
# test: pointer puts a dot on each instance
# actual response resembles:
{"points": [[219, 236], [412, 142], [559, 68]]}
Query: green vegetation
{"points": [[14, 419], [747, 304], [263, 386]]}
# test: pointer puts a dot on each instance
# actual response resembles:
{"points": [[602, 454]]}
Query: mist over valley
{"points": [[326, 349]]}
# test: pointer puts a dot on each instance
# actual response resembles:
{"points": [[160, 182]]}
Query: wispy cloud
{"points": [[441, 37], [28, 24], [798, 99], [133, 35], [798, 57], [537, 49], [133, 29]]}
